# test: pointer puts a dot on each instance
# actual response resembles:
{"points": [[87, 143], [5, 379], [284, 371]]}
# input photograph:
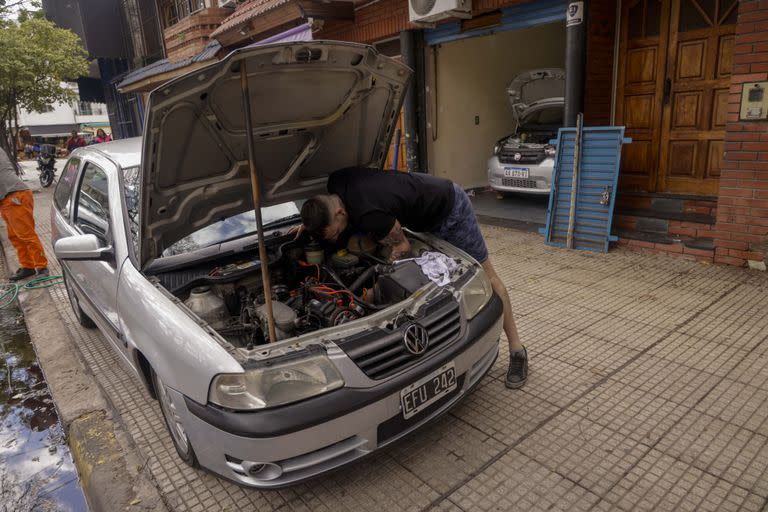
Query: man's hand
{"points": [[397, 241], [297, 230]]}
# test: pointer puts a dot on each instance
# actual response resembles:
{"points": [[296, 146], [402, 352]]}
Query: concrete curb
{"points": [[112, 472]]}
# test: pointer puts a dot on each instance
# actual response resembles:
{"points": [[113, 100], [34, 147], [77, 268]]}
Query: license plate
{"points": [[426, 391], [516, 172]]}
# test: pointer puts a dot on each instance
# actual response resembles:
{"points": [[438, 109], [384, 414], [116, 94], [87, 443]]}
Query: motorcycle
{"points": [[46, 164]]}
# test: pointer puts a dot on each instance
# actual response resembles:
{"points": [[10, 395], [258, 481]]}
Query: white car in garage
{"points": [[523, 161]]}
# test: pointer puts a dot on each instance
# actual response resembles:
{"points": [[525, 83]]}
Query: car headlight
{"points": [[476, 293], [279, 383]]}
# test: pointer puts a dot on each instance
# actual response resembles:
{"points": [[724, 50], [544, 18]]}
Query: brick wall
{"points": [[741, 231], [599, 81], [189, 36], [387, 18]]}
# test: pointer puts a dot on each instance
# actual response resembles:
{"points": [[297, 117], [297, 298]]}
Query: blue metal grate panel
{"points": [[597, 180]]}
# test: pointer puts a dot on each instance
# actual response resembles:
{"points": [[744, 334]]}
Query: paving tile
{"points": [[625, 332], [698, 353], [524, 303], [629, 411], [720, 448], [375, 483], [446, 452], [544, 286], [556, 381], [538, 334], [752, 370], [592, 354], [517, 482], [667, 379], [593, 456], [569, 316], [746, 333], [738, 403], [660, 482], [658, 314], [504, 414]]}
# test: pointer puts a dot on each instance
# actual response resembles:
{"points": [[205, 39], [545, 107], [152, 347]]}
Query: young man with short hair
{"points": [[381, 203]]}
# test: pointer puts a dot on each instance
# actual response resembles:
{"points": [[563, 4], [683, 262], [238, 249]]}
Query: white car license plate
{"points": [[516, 172], [424, 392]]}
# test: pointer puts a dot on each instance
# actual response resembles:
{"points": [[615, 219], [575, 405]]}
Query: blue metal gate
{"points": [[596, 181]]}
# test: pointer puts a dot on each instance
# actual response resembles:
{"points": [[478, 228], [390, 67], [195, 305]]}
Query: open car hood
{"points": [[531, 86], [316, 107]]}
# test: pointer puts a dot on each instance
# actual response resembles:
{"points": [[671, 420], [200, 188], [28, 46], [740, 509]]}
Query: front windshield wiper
{"points": [[283, 221]]}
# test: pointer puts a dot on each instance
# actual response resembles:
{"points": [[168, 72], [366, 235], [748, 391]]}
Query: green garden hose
{"points": [[9, 292]]}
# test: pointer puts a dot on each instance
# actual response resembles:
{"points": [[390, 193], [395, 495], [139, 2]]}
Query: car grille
{"points": [[518, 182], [527, 156], [380, 352]]}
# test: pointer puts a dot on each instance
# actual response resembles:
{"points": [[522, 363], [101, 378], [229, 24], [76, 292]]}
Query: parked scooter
{"points": [[46, 164]]}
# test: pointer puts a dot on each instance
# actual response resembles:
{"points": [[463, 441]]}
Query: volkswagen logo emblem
{"points": [[416, 339], [517, 157]]}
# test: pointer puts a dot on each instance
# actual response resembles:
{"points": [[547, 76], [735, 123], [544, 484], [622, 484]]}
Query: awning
{"points": [[51, 130], [300, 33], [147, 78]]}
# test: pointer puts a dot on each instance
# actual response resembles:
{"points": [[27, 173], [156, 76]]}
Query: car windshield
{"points": [[234, 227], [231, 228], [547, 118]]}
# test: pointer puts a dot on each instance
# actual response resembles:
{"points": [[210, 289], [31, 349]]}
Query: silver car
{"points": [[523, 161], [158, 246]]}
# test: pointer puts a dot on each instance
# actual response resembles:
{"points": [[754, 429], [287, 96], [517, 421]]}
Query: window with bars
{"points": [[173, 11]]}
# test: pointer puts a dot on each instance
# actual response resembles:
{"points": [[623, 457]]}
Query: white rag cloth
{"points": [[436, 266]]}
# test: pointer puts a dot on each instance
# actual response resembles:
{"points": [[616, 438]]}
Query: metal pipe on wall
{"points": [[408, 53], [576, 20]]}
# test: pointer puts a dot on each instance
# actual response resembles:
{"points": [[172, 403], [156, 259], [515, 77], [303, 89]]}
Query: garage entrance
{"points": [[468, 111]]}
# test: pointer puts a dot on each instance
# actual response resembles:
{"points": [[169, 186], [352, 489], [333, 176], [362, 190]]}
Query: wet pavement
{"points": [[36, 469]]}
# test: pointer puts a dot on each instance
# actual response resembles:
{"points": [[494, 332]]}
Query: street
{"points": [[648, 390]]}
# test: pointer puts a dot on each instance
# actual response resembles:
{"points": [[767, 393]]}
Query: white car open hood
{"points": [[316, 107], [534, 85]]}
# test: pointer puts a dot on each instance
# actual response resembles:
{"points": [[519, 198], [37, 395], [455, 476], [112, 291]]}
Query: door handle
{"points": [[667, 91]]}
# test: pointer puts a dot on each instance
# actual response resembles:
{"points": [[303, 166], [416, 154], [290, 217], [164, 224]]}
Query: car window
{"points": [[92, 213], [233, 227], [63, 193]]}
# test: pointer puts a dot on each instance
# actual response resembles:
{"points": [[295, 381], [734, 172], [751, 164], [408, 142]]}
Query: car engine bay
{"points": [[311, 288]]}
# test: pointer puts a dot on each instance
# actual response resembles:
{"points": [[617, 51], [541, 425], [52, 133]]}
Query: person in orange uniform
{"points": [[16, 205]]}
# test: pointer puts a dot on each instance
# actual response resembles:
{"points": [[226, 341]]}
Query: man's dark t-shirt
{"points": [[374, 199]]}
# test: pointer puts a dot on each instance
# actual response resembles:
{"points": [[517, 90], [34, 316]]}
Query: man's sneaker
{"points": [[42, 272], [517, 375], [22, 273]]}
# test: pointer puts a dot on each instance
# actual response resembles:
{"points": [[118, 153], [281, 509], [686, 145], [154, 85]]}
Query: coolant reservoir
{"points": [[208, 306]]}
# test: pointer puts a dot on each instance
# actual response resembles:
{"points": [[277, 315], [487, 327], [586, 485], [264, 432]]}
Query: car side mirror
{"points": [[82, 247]]}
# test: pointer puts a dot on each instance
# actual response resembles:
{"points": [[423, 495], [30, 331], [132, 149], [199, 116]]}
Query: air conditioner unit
{"points": [[430, 11]]}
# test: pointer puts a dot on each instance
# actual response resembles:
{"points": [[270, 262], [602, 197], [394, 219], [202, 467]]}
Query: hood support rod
{"points": [[256, 190]]}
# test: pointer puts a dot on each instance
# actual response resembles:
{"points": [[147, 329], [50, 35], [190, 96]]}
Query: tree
{"points": [[35, 58]]}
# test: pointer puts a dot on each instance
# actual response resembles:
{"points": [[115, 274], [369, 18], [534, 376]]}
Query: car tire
{"points": [[80, 315], [173, 423]]}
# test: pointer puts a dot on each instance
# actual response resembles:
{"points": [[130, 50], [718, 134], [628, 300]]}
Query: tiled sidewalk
{"points": [[648, 391]]}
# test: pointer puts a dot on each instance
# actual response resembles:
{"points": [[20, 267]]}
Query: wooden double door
{"points": [[675, 59]]}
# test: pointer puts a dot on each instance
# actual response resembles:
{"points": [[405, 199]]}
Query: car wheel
{"points": [[80, 315], [173, 423]]}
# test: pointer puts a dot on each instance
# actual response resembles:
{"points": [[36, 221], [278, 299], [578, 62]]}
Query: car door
{"points": [[96, 211], [61, 213]]}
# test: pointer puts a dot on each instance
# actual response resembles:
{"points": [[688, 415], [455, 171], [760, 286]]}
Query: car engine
{"points": [[311, 289]]}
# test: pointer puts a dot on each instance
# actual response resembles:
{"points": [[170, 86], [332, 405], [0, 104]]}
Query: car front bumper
{"points": [[285, 445], [538, 181]]}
